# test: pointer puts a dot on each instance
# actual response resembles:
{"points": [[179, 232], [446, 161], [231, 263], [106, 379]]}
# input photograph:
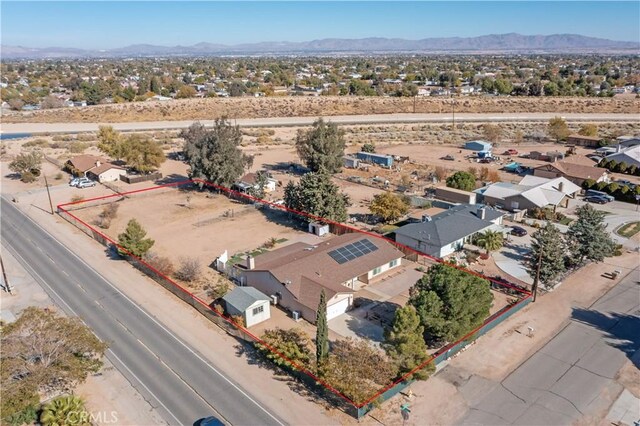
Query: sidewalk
{"points": [[274, 391]]}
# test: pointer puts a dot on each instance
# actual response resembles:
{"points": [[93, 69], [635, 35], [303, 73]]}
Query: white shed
{"points": [[319, 229], [249, 303]]}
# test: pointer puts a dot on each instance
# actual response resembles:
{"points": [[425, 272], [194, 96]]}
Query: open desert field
{"points": [[247, 107]]}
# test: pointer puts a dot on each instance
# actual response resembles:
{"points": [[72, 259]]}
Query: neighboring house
{"points": [[447, 232], [546, 156], [249, 303], [482, 146], [627, 141], [586, 141], [250, 180], [454, 195], [576, 173], [106, 172], [630, 155], [81, 164], [296, 274], [530, 193]]}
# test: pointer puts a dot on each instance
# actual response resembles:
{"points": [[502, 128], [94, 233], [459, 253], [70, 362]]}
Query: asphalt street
{"points": [[563, 381], [35, 128], [174, 378]]}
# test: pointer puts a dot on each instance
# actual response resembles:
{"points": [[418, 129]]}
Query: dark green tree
{"points": [[462, 180], [450, 302], [322, 147], [547, 242], [318, 196], [369, 147], [322, 331], [155, 85], [588, 237], [134, 241], [405, 345], [214, 154]]}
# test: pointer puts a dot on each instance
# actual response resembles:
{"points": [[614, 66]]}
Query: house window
{"points": [[393, 263], [377, 270], [258, 310]]}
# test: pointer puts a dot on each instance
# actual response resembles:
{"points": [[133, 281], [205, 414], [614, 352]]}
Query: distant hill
{"points": [[494, 43]]}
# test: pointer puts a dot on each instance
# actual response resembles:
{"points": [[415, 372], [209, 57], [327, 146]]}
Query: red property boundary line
{"points": [[525, 294]]}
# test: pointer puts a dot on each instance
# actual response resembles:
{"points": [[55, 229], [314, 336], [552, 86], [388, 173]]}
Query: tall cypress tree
{"points": [[322, 331]]}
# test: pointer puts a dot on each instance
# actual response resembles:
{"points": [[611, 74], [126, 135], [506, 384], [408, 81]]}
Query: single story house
{"points": [[295, 275], [105, 172], [479, 145], [80, 164], [576, 173], [249, 303], [531, 192], [581, 140], [250, 180], [446, 232], [454, 195], [630, 155], [628, 141]]}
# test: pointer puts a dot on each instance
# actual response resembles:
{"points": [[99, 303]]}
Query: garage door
{"points": [[337, 308]]}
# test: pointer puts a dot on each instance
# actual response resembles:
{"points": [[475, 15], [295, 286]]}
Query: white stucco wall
{"points": [[250, 319], [383, 268], [111, 175]]}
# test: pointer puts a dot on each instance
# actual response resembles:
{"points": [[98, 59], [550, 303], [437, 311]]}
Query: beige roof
{"points": [[307, 269], [104, 167], [85, 162], [576, 170]]}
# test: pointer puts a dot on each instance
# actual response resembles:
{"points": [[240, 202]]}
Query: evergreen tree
{"points": [[549, 241], [322, 331], [462, 180], [322, 147], [404, 343], [450, 302], [318, 196], [133, 239], [588, 237], [214, 154]]}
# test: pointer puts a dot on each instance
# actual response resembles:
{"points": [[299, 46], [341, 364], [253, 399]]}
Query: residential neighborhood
{"points": [[207, 226]]}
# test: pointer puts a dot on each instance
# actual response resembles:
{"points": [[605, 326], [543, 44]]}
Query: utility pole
{"points": [[48, 193], [7, 286], [534, 288]]}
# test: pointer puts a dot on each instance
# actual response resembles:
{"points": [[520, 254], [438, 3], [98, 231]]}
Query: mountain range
{"points": [[494, 43]]}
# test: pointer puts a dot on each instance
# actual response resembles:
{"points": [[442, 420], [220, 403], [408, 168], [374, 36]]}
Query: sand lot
{"points": [[208, 226]]}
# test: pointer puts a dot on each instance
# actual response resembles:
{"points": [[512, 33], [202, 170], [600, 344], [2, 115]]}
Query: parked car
{"points": [[511, 152], [594, 193], [85, 183], [596, 200], [448, 158], [518, 231], [210, 421], [74, 181], [625, 182]]}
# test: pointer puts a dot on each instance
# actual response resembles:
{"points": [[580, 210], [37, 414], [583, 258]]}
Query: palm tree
{"points": [[490, 240], [64, 410]]}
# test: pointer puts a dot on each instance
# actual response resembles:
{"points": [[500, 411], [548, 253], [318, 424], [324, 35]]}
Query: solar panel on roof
{"points": [[352, 251]]}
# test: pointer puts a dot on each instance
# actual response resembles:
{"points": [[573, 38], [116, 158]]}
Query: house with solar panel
{"points": [[294, 276]]}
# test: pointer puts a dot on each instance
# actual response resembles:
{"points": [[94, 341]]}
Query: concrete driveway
{"points": [[510, 258]]}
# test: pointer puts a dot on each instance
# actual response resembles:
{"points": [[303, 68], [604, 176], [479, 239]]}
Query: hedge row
{"points": [[619, 192], [621, 167]]}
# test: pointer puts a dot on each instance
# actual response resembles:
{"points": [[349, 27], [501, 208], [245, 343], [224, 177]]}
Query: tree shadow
{"points": [[622, 330], [173, 178], [285, 218], [13, 176], [289, 167]]}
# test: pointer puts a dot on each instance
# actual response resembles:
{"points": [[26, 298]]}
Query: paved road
{"points": [[563, 380], [34, 128], [167, 372]]}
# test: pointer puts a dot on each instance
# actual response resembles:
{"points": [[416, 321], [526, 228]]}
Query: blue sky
{"points": [[100, 24]]}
